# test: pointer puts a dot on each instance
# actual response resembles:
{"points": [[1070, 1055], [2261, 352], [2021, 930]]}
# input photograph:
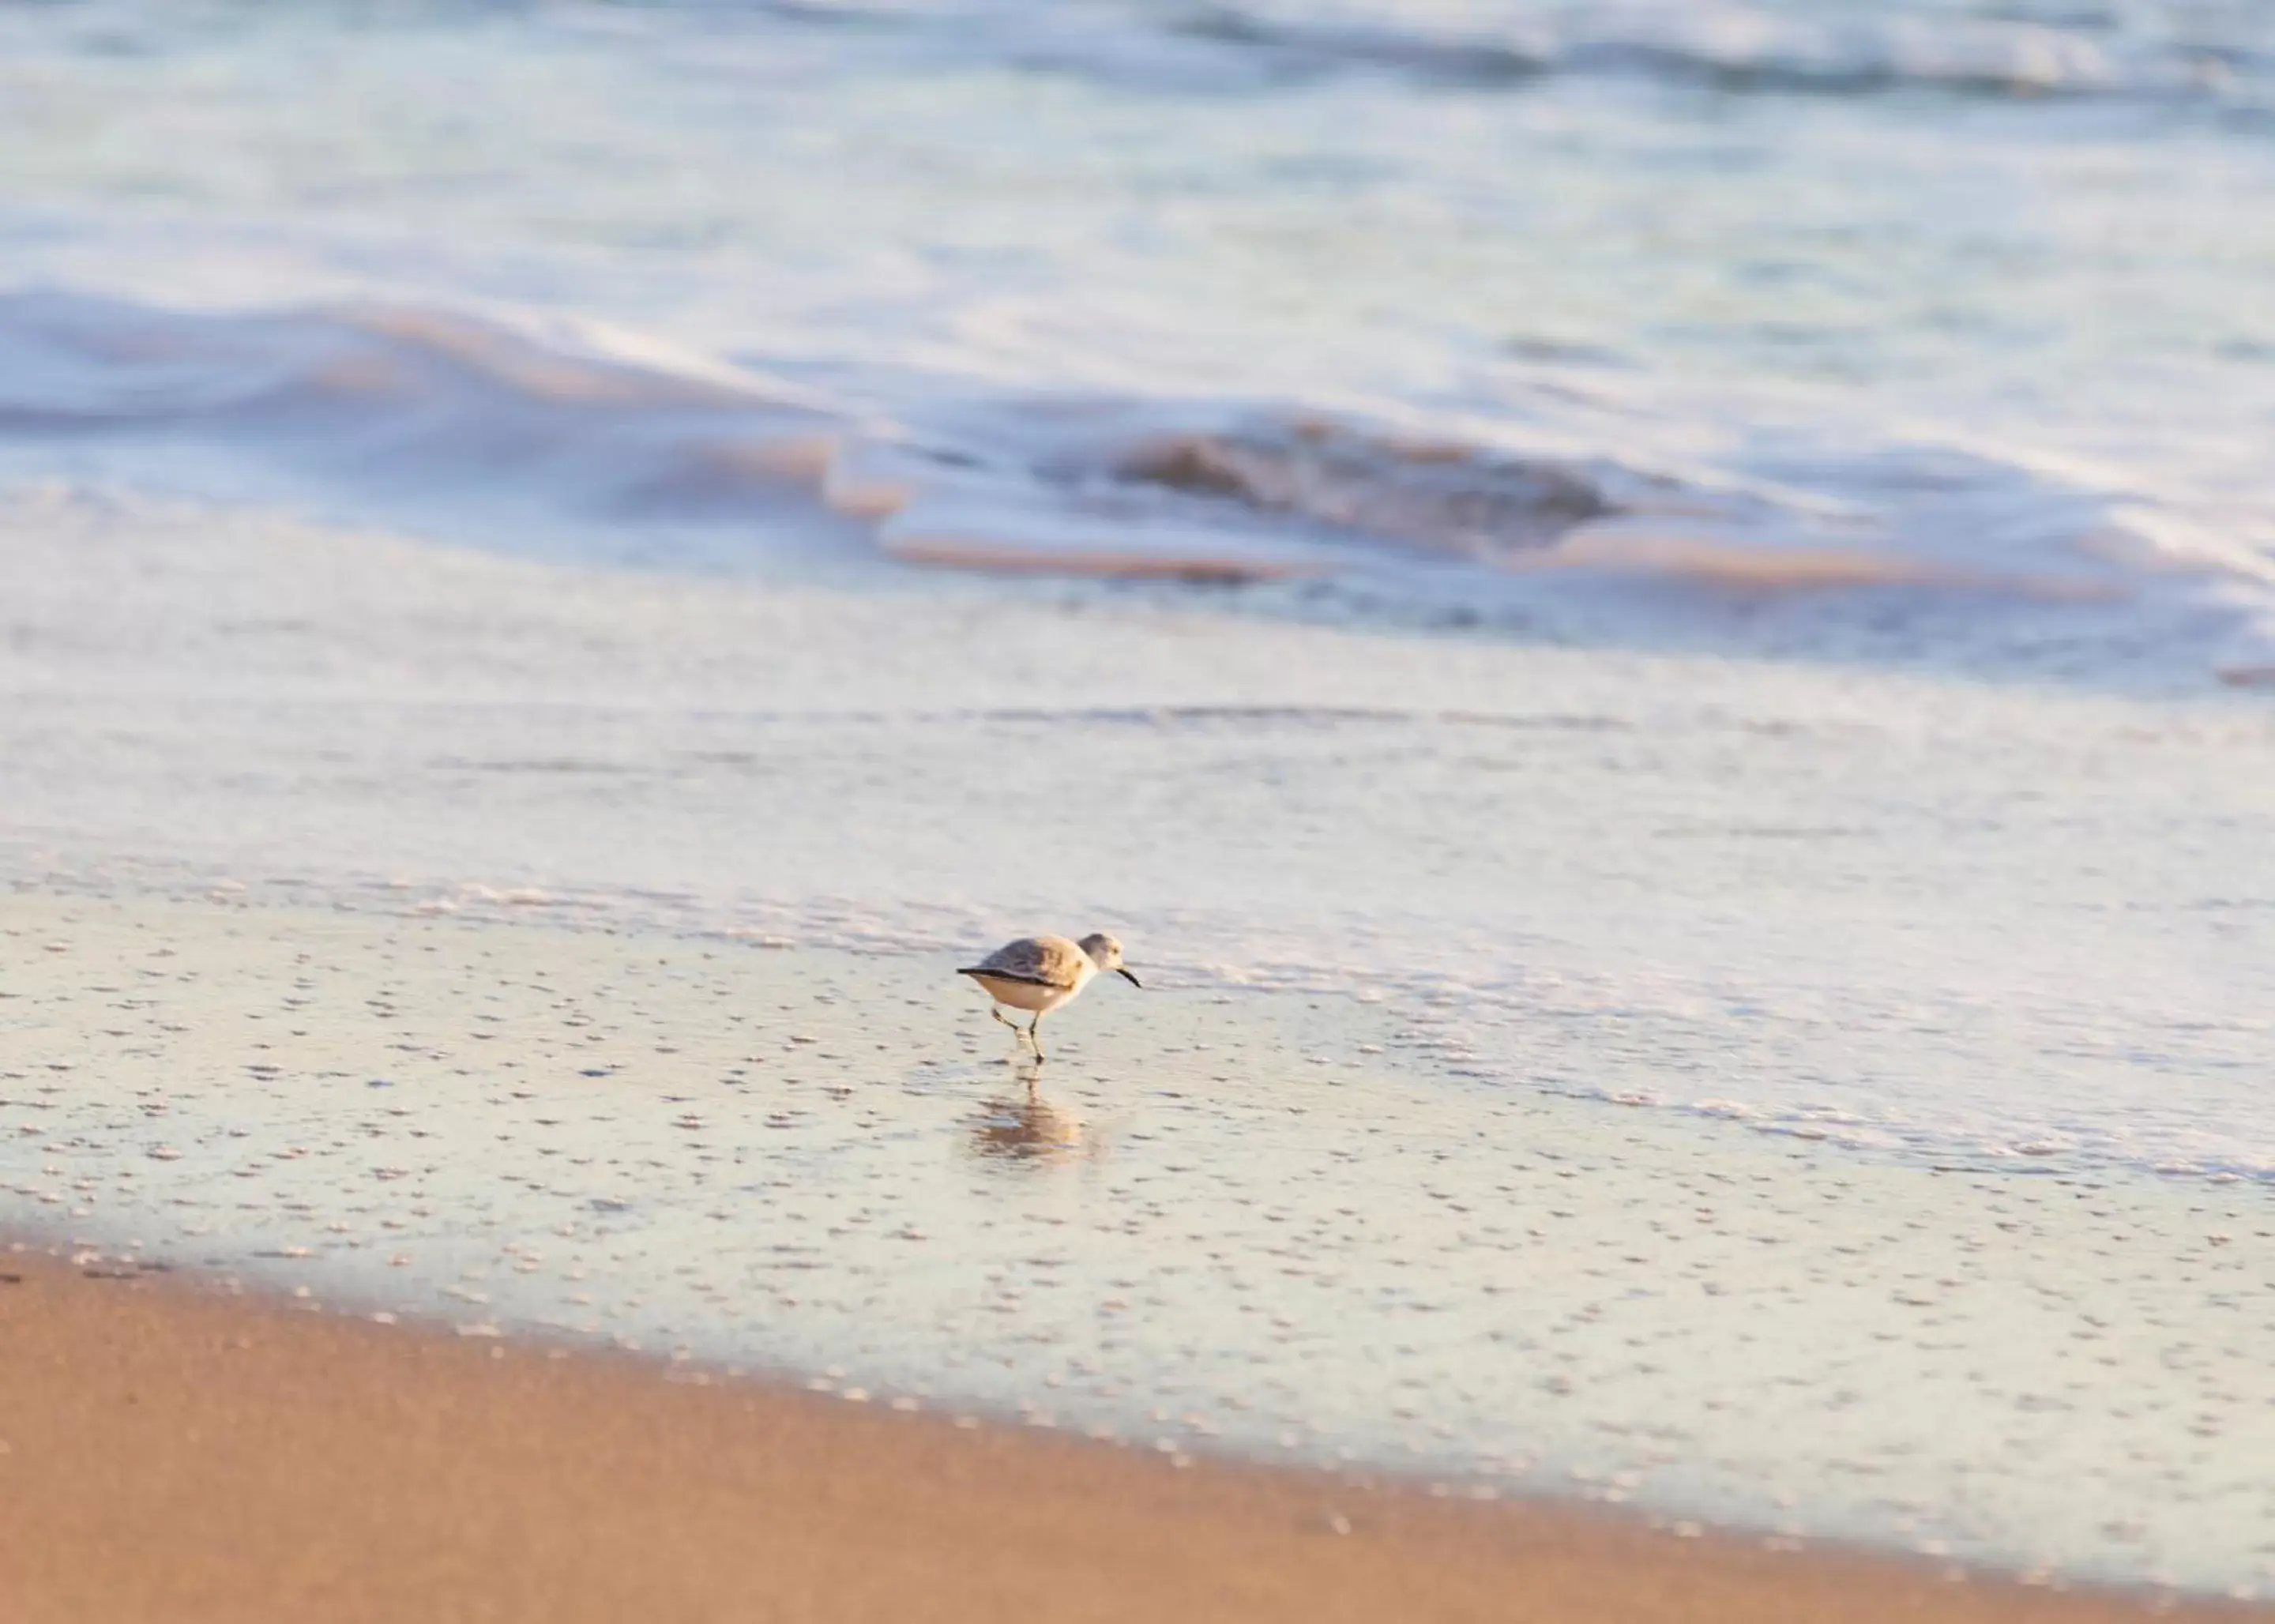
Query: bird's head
{"points": [[1106, 953]]}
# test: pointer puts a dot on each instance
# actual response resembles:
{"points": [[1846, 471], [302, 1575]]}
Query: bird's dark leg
{"points": [[1031, 1039], [996, 1010]]}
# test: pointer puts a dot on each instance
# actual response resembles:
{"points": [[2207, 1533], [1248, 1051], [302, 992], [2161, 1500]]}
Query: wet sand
{"points": [[176, 1452], [1282, 1230]]}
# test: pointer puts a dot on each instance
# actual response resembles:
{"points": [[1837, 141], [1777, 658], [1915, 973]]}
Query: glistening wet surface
{"points": [[1251, 1223]]}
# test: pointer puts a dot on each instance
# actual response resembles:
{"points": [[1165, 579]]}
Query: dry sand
{"points": [[175, 1454]]}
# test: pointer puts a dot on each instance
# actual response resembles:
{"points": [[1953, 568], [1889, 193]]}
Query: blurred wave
{"points": [[2217, 52], [2176, 48], [1440, 497], [1823, 50], [402, 394], [1938, 547]]}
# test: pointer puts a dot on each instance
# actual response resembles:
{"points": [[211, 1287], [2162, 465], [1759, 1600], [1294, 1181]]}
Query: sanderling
{"points": [[1041, 973]]}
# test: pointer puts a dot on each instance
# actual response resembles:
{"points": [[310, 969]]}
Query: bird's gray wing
{"points": [[1046, 961]]}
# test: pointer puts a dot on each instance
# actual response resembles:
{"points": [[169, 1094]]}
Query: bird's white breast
{"points": [[1026, 994]]}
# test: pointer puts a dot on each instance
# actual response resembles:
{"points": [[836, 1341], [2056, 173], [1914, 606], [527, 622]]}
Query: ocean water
{"points": [[1556, 318], [1703, 565]]}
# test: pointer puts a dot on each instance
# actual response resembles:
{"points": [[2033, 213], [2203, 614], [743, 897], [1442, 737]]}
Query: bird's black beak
{"points": [[1131, 979]]}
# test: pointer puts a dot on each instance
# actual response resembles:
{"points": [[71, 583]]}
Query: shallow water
{"points": [[1572, 321], [1934, 918]]}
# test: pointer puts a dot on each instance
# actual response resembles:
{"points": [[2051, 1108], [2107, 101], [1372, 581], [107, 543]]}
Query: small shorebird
{"points": [[1041, 973]]}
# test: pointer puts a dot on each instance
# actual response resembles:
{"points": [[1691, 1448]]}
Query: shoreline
{"points": [[174, 1450], [814, 1163]]}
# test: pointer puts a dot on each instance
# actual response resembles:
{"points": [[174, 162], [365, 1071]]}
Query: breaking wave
{"points": [[1439, 497], [1748, 48], [1793, 548], [2215, 53]]}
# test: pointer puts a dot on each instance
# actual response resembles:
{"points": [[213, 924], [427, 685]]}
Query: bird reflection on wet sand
{"points": [[1027, 1129]]}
